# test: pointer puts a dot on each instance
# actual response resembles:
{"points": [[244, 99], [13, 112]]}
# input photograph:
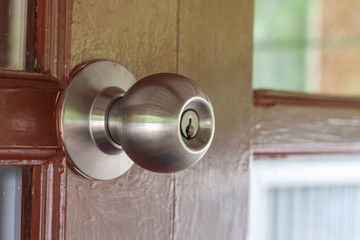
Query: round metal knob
{"points": [[164, 122], [147, 122]]}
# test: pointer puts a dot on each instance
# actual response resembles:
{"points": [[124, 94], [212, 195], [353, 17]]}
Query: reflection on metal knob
{"points": [[164, 122], [146, 122]]}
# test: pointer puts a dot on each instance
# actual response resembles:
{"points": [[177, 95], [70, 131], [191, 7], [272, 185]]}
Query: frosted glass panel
{"points": [[15, 52], [10, 202]]}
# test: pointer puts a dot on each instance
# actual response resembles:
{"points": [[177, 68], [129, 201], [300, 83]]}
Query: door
{"points": [[209, 42]]}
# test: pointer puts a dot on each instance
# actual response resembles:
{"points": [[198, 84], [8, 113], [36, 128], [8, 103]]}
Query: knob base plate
{"points": [[84, 110]]}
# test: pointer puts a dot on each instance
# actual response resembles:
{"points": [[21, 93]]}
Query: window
{"points": [[17, 37], [307, 198], [308, 46], [306, 146], [15, 201]]}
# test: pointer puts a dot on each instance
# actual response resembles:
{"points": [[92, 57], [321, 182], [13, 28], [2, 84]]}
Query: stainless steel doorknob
{"points": [[164, 122], [146, 122]]}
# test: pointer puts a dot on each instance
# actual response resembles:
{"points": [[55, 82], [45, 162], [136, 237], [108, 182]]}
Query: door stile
{"points": [[30, 132]]}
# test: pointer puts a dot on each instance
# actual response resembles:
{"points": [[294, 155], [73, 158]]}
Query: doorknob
{"points": [[164, 122]]}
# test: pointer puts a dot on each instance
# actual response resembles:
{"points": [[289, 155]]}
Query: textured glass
{"points": [[10, 202], [13, 21]]}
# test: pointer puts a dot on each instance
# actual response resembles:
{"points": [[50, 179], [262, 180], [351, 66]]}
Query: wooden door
{"points": [[209, 42]]}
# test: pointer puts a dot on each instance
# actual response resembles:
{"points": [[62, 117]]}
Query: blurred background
{"points": [[308, 198], [309, 46]]}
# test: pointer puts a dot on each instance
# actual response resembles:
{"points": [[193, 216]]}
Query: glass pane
{"points": [[305, 198], [15, 36], [307, 46], [14, 180]]}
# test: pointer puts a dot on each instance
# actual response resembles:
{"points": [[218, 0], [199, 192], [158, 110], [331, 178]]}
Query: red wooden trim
{"points": [[17, 78], [37, 203], [8, 73], [29, 83], [42, 35], [48, 203], [30, 49], [4, 28], [60, 176], [48, 208], [54, 45], [53, 38], [28, 118], [27, 153], [56, 198], [26, 198], [268, 98], [55, 216], [284, 151], [60, 39]]}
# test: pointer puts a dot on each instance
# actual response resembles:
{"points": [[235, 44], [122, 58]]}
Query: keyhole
{"points": [[190, 129], [189, 125]]}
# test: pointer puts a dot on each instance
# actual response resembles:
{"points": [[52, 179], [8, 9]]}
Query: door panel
{"points": [[210, 42], [215, 49], [140, 35]]}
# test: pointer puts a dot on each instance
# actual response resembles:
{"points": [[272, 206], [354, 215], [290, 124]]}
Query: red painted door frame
{"points": [[29, 103]]}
